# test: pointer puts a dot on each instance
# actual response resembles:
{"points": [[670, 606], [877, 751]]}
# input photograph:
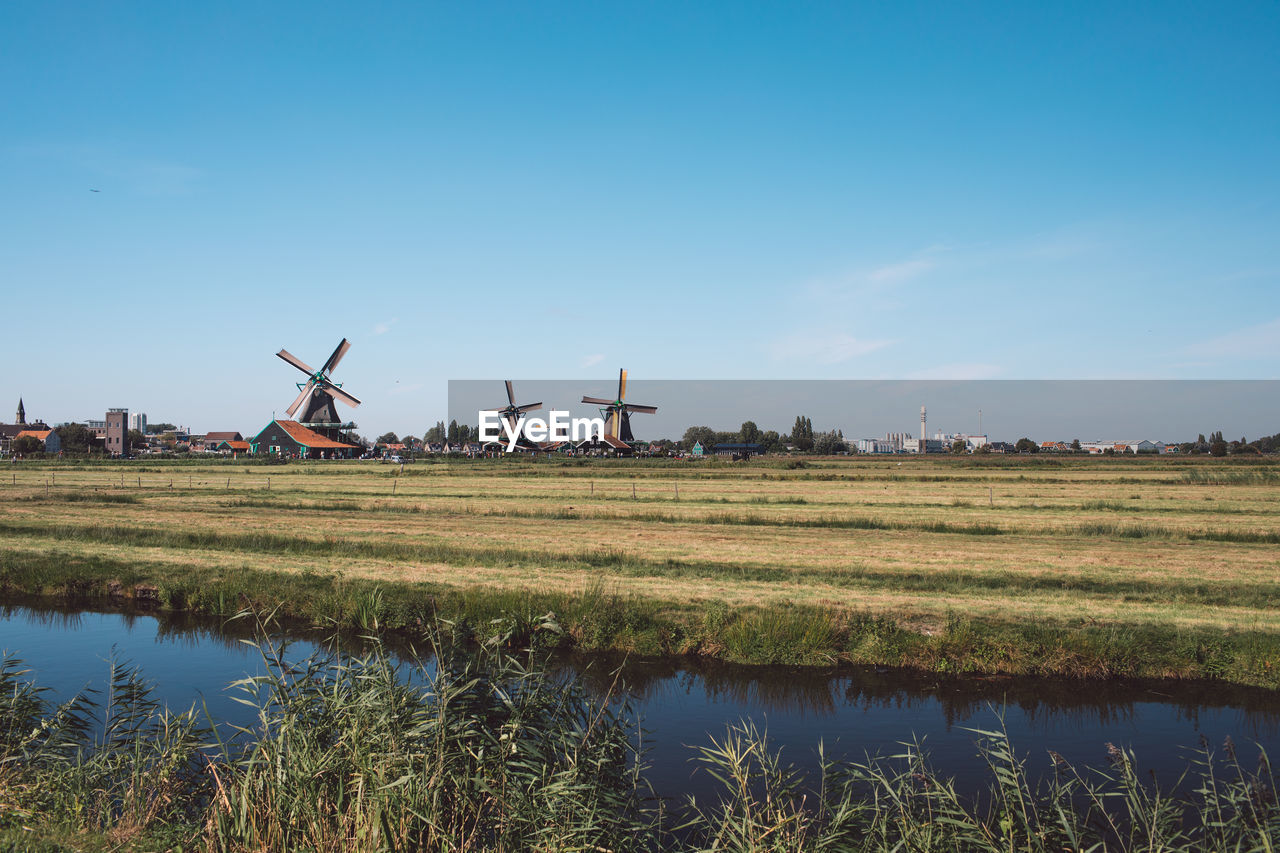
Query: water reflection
{"points": [[819, 694], [683, 702]]}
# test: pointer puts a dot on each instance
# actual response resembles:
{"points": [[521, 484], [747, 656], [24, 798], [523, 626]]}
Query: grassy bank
{"points": [[1065, 567], [491, 753], [596, 619]]}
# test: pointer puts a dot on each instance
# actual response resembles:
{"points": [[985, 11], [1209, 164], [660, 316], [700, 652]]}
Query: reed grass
{"points": [[483, 750]]}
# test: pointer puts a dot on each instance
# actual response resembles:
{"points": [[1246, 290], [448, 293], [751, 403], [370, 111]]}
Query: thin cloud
{"points": [[904, 271], [593, 359], [823, 349], [1250, 343], [877, 283], [383, 328]]}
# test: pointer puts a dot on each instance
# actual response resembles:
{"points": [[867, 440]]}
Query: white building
{"points": [[138, 421], [971, 442], [1141, 445]]}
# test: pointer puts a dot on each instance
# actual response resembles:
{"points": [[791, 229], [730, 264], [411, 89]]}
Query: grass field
{"points": [[1148, 567]]}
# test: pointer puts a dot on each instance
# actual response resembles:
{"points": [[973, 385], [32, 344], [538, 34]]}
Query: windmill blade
{"points": [[302, 398], [644, 410], [622, 384], [597, 401], [528, 407], [511, 394], [295, 361], [338, 394], [338, 353], [617, 417]]}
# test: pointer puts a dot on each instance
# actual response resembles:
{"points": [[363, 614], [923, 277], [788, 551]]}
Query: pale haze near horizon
{"points": [[1006, 410]]}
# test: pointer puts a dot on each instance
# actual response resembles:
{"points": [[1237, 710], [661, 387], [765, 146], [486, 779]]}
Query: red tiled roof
{"points": [[235, 445], [41, 434], [215, 437], [309, 438]]}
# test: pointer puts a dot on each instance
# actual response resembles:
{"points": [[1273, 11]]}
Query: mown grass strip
{"points": [[958, 582], [1088, 529]]}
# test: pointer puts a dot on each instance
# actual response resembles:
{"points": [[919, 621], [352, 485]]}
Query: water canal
{"points": [[682, 704]]}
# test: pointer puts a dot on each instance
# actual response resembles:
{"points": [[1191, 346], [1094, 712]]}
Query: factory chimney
{"points": [[922, 438]]}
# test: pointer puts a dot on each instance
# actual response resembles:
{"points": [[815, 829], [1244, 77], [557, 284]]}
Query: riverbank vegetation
{"points": [[485, 751], [1079, 567]]}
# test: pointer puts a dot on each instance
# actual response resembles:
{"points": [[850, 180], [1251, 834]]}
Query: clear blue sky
{"points": [[554, 190]]}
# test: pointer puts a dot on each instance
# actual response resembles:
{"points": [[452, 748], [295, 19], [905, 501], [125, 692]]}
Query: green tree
{"points": [[137, 440], [452, 433], [771, 441], [27, 445], [959, 446], [749, 433], [156, 429], [75, 438], [1075, 444], [802, 433], [388, 438], [699, 434], [1026, 445], [827, 443], [436, 434]]}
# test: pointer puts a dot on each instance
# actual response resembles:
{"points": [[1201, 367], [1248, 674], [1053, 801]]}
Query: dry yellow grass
{"points": [[746, 536]]}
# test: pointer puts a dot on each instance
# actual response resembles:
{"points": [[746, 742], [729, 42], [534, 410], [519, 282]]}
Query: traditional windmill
{"points": [[314, 404], [617, 414], [511, 414]]}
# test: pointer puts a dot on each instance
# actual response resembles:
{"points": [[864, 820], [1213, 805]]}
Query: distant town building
{"points": [[49, 438], [902, 442], [971, 442], [116, 432], [9, 432], [1137, 446], [138, 421], [738, 450]]}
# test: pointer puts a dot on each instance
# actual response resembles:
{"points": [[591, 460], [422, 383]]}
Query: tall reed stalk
{"points": [[484, 751]]}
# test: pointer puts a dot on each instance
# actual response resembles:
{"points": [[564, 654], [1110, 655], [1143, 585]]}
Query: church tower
{"points": [[22, 413]]}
